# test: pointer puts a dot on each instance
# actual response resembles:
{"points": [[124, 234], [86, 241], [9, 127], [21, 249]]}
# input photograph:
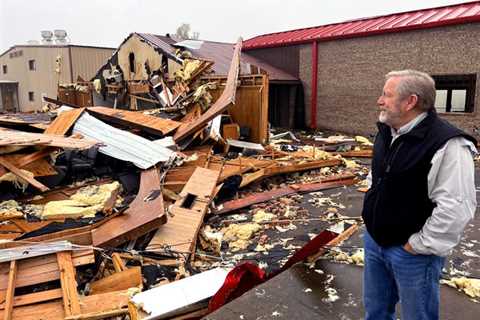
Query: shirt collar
{"points": [[409, 126]]}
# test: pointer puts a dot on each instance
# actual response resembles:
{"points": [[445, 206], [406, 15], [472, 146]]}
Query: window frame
{"points": [[32, 65], [452, 82]]}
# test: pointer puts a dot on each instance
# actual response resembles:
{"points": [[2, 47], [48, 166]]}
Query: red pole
{"points": [[313, 102]]}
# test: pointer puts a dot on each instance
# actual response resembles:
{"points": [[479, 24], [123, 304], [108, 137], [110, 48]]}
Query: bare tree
{"points": [[183, 32]]}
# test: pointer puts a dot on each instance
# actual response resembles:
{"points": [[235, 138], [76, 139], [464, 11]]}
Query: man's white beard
{"points": [[383, 117], [389, 117]]}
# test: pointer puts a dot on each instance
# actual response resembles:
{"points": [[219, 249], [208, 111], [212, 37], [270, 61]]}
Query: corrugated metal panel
{"points": [[120, 144], [164, 43], [419, 19], [221, 54], [86, 61]]}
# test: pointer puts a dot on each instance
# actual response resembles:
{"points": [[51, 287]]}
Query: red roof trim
{"points": [[406, 21]]}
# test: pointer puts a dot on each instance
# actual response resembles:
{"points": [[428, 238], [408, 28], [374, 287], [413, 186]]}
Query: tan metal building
{"points": [[29, 72]]}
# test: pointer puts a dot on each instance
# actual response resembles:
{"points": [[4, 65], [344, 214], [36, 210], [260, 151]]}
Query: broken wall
{"points": [[134, 53], [251, 106]]}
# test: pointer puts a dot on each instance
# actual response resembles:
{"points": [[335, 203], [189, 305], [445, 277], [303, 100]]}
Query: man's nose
{"points": [[380, 101]]}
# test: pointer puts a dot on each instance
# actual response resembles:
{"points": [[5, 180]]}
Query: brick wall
{"points": [[351, 72]]}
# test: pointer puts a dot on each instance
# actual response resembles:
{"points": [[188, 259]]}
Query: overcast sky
{"points": [[108, 22]]}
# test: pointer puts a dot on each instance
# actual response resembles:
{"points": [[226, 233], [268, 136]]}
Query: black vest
{"points": [[397, 205]]}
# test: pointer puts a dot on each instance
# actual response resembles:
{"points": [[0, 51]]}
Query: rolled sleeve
{"points": [[451, 186]]}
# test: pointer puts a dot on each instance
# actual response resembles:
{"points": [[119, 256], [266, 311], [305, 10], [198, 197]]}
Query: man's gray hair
{"points": [[418, 83]]}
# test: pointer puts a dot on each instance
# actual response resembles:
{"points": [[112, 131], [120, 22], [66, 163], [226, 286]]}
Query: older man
{"points": [[421, 197]]}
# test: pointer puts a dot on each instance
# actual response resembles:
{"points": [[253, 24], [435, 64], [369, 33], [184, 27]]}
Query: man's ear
{"points": [[412, 101]]}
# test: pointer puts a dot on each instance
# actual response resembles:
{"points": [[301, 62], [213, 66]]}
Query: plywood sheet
{"points": [[251, 105], [20, 138], [64, 121]]}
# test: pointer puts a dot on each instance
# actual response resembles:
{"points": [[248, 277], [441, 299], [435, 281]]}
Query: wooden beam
{"points": [[130, 278], [341, 237], [12, 275], [148, 123], [118, 263], [31, 157], [260, 197], [287, 168], [69, 284], [22, 175]]}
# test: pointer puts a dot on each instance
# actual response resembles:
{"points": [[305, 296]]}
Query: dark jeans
{"points": [[392, 274]]}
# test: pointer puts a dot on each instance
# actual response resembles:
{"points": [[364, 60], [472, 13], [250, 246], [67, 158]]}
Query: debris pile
{"points": [[104, 209]]}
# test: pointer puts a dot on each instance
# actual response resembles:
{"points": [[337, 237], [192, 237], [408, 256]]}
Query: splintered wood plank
{"points": [[177, 177], [129, 278], [287, 168], [10, 291], [138, 120], [242, 165], [69, 284], [27, 226], [21, 138], [41, 168], [64, 121], [22, 175], [22, 160], [260, 197], [41, 269], [118, 263], [181, 230], [146, 213]]}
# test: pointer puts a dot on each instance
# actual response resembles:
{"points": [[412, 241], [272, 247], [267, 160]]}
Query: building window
{"points": [[31, 65], [5, 69], [31, 96], [455, 93], [131, 60]]}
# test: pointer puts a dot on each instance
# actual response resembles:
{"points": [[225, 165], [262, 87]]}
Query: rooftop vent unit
{"points": [[47, 36], [60, 36]]}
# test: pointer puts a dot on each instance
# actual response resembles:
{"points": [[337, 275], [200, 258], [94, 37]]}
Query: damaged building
{"points": [[264, 89], [342, 65]]}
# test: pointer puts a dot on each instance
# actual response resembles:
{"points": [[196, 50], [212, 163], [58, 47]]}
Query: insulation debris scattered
{"points": [[471, 287]]}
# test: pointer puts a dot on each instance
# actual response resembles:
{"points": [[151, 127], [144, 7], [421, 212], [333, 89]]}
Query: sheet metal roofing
{"points": [[419, 19], [221, 54]]}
